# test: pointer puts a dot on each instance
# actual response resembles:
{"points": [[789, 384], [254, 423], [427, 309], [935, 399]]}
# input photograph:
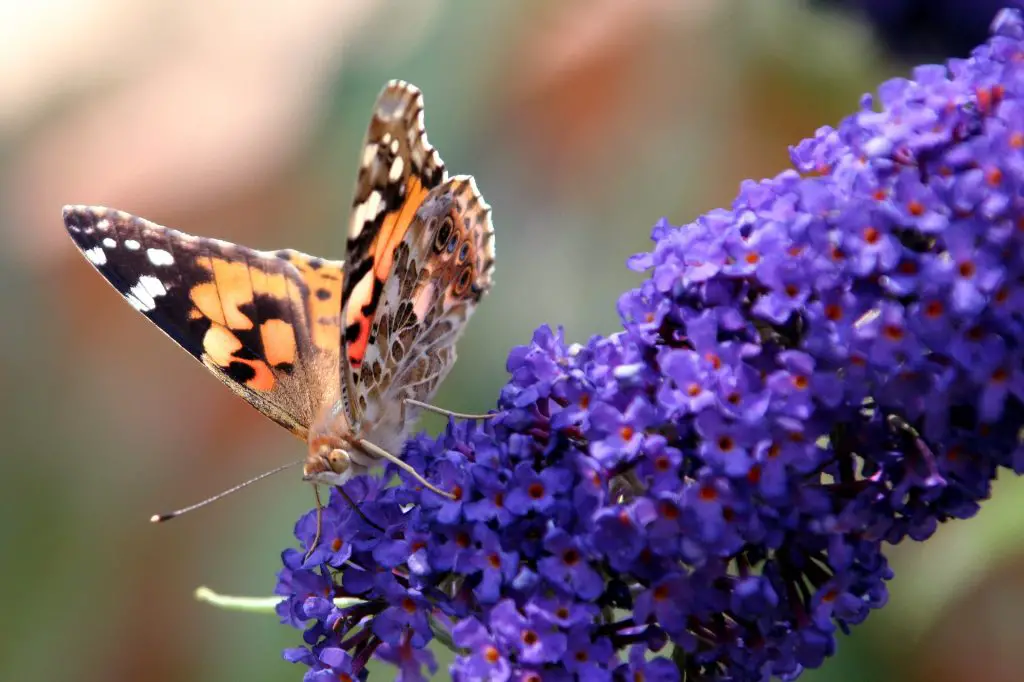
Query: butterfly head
{"points": [[328, 462]]}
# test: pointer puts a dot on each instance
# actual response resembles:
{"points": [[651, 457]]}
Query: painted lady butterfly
{"points": [[343, 355]]}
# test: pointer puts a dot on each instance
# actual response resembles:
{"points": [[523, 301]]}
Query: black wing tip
{"points": [[82, 219], [76, 215], [79, 217], [85, 210]]}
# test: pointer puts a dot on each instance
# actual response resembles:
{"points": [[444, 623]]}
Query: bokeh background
{"points": [[583, 121]]}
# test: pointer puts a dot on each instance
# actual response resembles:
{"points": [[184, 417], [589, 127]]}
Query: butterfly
{"points": [[342, 354]]}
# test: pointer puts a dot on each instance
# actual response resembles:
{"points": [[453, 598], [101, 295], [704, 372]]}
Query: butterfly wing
{"points": [[440, 270], [397, 169], [267, 324], [420, 255]]}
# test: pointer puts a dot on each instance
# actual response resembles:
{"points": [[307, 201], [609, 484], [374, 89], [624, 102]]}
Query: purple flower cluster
{"points": [[833, 364]]}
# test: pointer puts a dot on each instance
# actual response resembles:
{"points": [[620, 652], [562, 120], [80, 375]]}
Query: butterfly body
{"points": [[330, 350]]}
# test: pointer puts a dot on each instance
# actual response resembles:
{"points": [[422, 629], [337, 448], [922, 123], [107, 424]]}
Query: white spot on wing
{"points": [[153, 285], [423, 299], [397, 166], [369, 152], [367, 211], [140, 299], [132, 244], [159, 257], [361, 292], [109, 243], [143, 295], [103, 225], [140, 305], [96, 256]]}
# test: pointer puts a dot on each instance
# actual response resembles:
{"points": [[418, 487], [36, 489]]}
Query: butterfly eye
{"points": [[442, 234], [463, 252], [462, 283], [339, 461]]}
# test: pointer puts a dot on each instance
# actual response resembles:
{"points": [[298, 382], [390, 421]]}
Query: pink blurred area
{"points": [[583, 122]]}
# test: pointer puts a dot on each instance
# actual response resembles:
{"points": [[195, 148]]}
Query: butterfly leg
{"points": [[381, 453], [319, 519], [446, 413]]}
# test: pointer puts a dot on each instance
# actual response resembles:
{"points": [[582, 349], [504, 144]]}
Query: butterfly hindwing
{"points": [[441, 268], [420, 255], [266, 323]]}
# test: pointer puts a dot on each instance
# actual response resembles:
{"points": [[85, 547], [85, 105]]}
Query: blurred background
{"points": [[583, 122]]}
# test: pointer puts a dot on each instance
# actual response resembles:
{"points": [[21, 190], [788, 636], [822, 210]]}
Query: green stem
{"points": [[255, 604]]}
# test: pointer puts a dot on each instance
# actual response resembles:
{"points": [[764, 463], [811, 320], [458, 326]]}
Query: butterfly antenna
{"points": [[160, 518]]}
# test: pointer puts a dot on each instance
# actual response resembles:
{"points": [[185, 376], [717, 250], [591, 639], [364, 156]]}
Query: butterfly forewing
{"points": [[397, 169], [265, 323]]}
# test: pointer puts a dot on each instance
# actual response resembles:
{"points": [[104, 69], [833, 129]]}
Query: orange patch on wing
{"points": [[392, 231], [394, 226], [278, 342], [220, 346], [264, 379], [207, 302], [274, 284], [324, 308], [233, 285]]}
